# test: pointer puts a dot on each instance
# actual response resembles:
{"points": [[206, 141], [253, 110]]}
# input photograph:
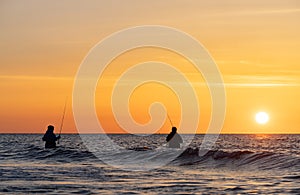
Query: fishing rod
{"points": [[62, 119], [170, 120]]}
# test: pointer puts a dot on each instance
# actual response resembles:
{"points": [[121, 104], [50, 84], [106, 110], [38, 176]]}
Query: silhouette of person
{"points": [[50, 138], [174, 139]]}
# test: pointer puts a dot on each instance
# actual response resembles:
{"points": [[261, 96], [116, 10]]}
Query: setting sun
{"points": [[262, 118]]}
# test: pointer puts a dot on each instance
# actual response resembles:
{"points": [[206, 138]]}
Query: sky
{"points": [[254, 43]]}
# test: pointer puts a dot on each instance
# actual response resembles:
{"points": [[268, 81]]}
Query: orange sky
{"points": [[255, 44]]}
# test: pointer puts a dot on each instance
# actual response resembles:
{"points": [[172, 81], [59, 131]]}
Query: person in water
{"points": [[50, 138], [174, 139]]}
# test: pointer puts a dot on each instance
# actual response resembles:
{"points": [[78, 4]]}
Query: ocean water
{"points": [[237, 164]]}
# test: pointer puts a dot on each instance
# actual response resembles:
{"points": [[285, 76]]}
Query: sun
{"points": [[262, 118]]}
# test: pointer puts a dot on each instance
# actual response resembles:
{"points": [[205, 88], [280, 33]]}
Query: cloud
{"points": [[29, 77], [261, 81], [261, 12], [279, 11]]}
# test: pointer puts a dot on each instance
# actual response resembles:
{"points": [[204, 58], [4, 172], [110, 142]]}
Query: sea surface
{"points": [[237, 164]]}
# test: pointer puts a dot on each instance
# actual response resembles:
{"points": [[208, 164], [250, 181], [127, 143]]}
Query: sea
{"points": [[236, 164]]}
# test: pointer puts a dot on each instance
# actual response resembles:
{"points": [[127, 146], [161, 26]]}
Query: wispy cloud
{"points": [[261, 12], [29, 77], [256, 85], [261, 81], [278, 11]]}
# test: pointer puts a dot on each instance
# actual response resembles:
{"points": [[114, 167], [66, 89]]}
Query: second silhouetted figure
{"points": [[174, 139]]}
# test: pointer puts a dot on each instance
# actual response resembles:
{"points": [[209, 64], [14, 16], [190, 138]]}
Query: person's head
{"points": [[174, 129], [50, 128]]}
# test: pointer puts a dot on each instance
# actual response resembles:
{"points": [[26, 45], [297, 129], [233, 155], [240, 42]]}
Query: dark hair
{"points": [[174, 129], [51, 127]]}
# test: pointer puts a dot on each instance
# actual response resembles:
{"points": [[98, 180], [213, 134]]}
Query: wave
{"points": [[238, 159], [59, 154], [262, 160]]}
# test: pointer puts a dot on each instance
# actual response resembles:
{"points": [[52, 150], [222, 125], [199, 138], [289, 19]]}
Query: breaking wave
{"points": [[262, 160]]}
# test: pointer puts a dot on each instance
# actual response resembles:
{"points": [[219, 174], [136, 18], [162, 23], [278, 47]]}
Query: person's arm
{"points": [[169, 137]]}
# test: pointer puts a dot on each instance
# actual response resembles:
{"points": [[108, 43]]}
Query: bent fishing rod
{"points": [[62, 119]]}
